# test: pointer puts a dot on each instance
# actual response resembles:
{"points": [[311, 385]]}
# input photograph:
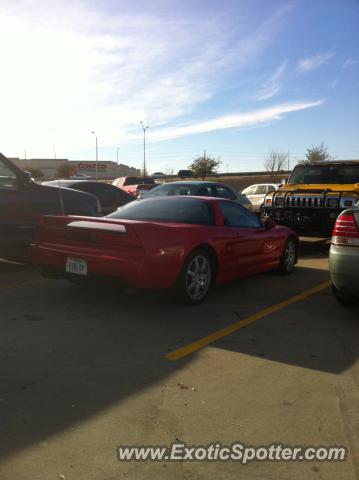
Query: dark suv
{"points": [[23, 201]]}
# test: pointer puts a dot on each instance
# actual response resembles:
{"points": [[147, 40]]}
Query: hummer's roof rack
{"points": [[331, 162]]}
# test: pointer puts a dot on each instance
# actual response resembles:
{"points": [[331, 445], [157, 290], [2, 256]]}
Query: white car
{"points": [[257, 193], [81, 176]]}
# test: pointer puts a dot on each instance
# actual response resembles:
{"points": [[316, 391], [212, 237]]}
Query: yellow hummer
{"points": [[314, 195]]}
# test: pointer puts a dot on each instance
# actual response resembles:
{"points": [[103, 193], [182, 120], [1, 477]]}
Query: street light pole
{"points": [[117, 154], [96, 154], [144, 147]]}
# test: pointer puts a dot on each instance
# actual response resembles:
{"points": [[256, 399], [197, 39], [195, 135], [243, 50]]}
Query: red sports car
{"points": [[185, 244]]}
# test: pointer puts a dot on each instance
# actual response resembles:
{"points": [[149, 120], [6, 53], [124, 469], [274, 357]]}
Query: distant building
{"points": [[105, 169]]}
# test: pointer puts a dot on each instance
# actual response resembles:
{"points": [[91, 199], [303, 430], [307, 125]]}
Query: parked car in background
{"points": [[158, 175], [344, 256], [186, 244], [198, 188], [110, 197], [257, 193], [80, 176], [313, 197], [135, 186], [23, 202], [185, 174]]}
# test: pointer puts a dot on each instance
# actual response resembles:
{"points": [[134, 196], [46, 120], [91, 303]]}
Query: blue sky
{"points": [[236, 78]]}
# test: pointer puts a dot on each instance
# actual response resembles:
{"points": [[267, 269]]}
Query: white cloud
{"points": [[273, 85], [252, 118], [349, 62], [68, 69], [311, 63], [334, 83]]}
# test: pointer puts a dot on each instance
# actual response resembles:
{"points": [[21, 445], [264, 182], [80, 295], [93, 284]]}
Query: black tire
{"points": [[195, 279], [345, 299], [289, 257]]}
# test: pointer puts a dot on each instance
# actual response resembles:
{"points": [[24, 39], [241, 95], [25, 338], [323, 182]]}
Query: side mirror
{"points": [[269, 224]]}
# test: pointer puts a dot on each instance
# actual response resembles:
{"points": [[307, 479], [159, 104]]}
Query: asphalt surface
{"points": [[83, 371]]}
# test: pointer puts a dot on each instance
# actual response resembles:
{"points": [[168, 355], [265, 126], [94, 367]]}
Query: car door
{"points": [[16, 220], [245, 239], [249, 192], [258, 197]]}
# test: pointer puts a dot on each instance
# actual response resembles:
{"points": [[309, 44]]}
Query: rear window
{"points": [[131, 181], [139, 181], [176, 210], [171, 189]]}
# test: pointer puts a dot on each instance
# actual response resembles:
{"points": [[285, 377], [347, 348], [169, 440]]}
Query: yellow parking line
{"points": [[197, 345], [23, 284]]}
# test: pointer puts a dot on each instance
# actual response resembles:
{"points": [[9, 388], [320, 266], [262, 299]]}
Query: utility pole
{"points": [[53, 142], [117, 154], [144, 147], [93, 133]]}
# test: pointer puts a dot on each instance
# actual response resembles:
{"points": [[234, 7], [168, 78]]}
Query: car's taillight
{"points": [[346, 231]]}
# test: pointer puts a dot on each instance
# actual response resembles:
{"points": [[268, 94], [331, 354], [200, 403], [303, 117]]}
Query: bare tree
{"points": [[275, 162]]}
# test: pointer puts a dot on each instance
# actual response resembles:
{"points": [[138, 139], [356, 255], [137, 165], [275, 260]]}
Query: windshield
{"points": [[176, 210], [7, 176], [310, 174]]}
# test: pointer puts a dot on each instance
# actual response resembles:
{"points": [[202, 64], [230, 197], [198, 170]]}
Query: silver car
{"points": [[344, 257]]}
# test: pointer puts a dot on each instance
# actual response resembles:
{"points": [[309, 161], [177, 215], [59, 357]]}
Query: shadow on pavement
{"points": [[66, 353]]}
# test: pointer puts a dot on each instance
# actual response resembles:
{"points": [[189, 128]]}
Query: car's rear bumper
{"points": [[344, 268], [130, 266]]}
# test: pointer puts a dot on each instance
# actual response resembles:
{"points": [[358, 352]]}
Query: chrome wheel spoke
{"points": [[198, 277]]}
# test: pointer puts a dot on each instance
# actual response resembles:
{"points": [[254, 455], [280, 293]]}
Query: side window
{"points": [[181, 190], [249, 191], [271, 189], [224, 192], [261, 190], [205, 191], [236, 216], [7, 177]]}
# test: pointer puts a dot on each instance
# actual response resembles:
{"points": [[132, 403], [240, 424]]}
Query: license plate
{"points": [[76, 266]]}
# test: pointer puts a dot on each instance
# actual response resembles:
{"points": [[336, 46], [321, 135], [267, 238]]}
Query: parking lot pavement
{"points": [[83, 371]]}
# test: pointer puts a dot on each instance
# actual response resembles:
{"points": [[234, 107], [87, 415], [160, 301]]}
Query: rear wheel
{"points": [[289, 257], [195, 279]]}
